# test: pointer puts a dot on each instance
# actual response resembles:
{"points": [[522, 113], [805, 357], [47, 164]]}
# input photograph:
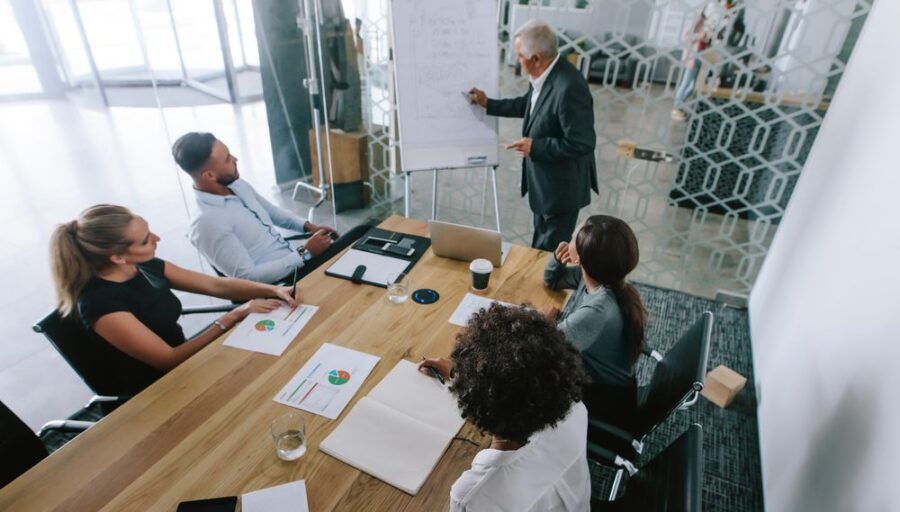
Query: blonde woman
{"points": [[107, 274]]}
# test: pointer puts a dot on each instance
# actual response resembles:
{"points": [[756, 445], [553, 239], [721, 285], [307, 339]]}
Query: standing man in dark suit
{"points": [[558, 140]]}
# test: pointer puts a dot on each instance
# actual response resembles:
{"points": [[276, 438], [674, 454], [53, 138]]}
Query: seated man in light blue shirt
{"points": [[236, 227]]}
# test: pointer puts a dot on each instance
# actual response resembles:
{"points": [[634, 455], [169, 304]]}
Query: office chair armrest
{"points": [[606, 457], [66, 425], [616, 439], [651, 353], [107, 404], [100, 399], [224, 308], [613, 430], [601, 455]]}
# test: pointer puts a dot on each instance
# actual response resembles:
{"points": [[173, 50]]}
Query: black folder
{"points": [[392, 244]]}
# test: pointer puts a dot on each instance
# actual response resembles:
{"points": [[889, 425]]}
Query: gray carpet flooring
{"points": [[732, 478]]}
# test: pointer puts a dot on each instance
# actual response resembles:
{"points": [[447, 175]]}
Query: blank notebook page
{"points": [[422, 397], [387, 445], [398, 432]]}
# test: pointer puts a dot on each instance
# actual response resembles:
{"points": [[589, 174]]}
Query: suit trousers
{"points": [[550, 230]]}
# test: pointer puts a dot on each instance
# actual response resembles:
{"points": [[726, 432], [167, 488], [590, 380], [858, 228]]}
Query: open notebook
{"points": [[398, 432]]}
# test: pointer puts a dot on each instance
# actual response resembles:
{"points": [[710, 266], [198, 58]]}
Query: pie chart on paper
{"points": [[264, 325], [338, 377]]}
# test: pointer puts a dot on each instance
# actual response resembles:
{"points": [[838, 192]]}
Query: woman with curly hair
{"points": [[604, 318], [516, 377]]}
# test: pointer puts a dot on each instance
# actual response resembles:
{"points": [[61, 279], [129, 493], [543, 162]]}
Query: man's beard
{"points": [[227, 180]]}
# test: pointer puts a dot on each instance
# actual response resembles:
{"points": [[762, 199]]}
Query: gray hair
{"points": [[537, 38]]}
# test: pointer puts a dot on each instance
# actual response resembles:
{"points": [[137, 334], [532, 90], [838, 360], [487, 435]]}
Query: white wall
{"points": [[825, 310]]}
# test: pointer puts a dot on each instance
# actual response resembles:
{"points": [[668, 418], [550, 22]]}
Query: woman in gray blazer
{"points": [[604, 317]]}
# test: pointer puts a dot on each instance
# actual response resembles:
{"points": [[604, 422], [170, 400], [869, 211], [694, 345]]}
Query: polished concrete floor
{"points": [[58, 157]]}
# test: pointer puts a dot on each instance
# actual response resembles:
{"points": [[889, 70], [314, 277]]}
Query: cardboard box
{"points": [[349, 154], [722, 385]]}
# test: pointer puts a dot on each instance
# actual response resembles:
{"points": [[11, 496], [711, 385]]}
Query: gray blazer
{"points": [[560, 171], [594, 324]]}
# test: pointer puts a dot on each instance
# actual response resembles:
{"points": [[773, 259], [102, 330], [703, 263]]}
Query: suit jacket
{"points": [[560, 171]]}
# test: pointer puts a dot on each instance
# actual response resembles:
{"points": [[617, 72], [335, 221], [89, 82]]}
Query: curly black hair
{"points": [[514, 372]]}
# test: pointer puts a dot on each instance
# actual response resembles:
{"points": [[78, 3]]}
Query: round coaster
{"points": [[425, 296]]}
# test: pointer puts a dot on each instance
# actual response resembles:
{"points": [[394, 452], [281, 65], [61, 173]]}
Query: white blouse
{"points": [[548, 473]]}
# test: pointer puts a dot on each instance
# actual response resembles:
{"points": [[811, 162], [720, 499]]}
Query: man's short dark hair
{"points": [[192, 150], [515, 373]]}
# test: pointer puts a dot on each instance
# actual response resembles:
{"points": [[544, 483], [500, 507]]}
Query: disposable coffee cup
{"points": [[481, 273]]}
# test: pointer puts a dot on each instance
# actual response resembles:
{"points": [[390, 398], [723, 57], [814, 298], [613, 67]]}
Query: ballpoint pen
{"points": [[434, 373], [294, 286]]}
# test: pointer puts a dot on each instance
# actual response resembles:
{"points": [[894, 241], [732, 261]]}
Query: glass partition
{"points": [[719, 162], [202, 52], [17, 73]]}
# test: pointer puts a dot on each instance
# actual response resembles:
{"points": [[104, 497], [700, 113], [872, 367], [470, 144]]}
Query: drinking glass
{"points": [[289, 433], [398, 288]]}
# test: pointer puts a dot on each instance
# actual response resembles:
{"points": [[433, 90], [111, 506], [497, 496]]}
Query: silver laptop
{"points": [[467, 243]]}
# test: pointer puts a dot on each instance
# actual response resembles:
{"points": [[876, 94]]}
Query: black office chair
{"points": [[676, 383], [111, 374], [671, 482], [22, 448]]}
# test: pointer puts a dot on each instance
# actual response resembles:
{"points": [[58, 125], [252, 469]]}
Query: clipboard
{"points": [[377, 255]]}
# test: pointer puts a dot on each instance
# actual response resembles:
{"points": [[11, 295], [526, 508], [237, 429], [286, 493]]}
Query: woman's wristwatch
{"points": [[220, 325], [305, 255]]}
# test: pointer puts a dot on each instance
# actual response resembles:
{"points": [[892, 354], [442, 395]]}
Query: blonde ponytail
{"points": [[81, 248]]}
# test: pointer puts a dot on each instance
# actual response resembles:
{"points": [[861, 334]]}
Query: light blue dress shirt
{"points": [[237, 234]]}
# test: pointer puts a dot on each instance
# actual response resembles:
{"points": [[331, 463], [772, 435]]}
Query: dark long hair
{"points": [[608, 251]]}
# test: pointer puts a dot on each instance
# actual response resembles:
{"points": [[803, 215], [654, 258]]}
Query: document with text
{"points": [[289, 497], [271, 333], [470, 304], [328, 381]]}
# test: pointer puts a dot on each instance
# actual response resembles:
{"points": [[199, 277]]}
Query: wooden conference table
{"points": [[202, 430]]}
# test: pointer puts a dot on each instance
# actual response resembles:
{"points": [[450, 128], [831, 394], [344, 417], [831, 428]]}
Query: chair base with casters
{"points": [[676, 382], [111, 374], [671, 482]]}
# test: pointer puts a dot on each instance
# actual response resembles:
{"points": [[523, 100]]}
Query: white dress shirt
{"points": [[236, 234], [549, 473], [538, 83]]}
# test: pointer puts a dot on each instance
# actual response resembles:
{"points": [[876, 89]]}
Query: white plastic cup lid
{"points": [[481, 266]]}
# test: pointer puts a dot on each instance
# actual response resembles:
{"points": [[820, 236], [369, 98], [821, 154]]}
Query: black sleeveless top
{"points": [[148, 296]]}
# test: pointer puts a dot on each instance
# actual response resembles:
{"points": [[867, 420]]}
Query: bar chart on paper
{"points": [[328, 381]]}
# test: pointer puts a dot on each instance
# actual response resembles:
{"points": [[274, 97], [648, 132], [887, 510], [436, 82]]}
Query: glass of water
{"points": [[398, 288], [289, 433]]}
